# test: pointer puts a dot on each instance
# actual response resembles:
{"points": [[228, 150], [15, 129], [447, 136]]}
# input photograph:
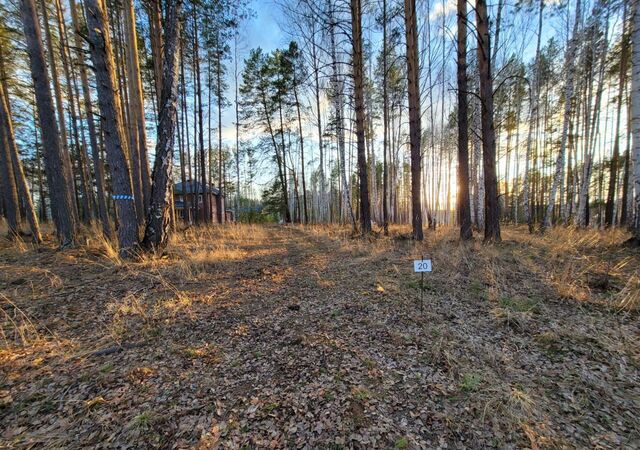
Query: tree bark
{"points": [[337, 93], [413, 89], [385, 124], [237, 105], [323, 212], [301, 137], [609, 218], [220, 199], [492, 213], [62, 204], [591, 122], [206, 206], [464, 208], [93, 137], [626, 210], [69, 177], [569, 68], [85, 190], [157, 231], [534, 89], [155, 36], [635, 112], [6, 127], [365, 207], [110, 108], [8, 185], [138, 144]]}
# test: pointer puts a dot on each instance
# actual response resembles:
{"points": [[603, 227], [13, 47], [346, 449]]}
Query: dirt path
{"points": [[290, 338]]}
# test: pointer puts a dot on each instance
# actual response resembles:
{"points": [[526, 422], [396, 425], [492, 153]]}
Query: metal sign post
{"points": [[422, 265]]}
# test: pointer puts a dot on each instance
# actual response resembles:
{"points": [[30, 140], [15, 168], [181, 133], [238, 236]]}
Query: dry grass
{"points": [[240, 332]]}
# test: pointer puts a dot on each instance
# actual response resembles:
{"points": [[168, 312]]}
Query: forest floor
{"points": [[289, 337]]}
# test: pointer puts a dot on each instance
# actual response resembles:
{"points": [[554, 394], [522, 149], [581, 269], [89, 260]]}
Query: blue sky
{"points": [[262, 31]]}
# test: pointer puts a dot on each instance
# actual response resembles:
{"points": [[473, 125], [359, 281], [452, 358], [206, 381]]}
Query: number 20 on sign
{"points": [[421, 266]]}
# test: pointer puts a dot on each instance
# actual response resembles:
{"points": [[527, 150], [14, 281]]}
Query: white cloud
{"points": [[446, 7]]}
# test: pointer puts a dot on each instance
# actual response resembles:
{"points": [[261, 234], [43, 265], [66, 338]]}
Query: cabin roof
{"points": [[193, 187]]}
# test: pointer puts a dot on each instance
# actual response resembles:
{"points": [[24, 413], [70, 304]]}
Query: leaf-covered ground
{"points": [[290, 337]]}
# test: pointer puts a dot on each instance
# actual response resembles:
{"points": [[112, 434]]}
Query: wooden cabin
{"points": [[187, 193]]}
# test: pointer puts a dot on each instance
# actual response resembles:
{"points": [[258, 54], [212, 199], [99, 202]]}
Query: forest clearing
{"points": [[267, 336], [310, 224]]}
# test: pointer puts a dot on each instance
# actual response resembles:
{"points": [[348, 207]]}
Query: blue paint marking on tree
{"points": [[122, 197]]}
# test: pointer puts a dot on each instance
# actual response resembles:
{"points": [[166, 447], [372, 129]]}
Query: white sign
{"points": [[422, 265]]}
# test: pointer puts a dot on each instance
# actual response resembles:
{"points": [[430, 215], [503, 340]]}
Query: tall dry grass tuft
{"points": [[95, 242], [18, 329], [629, 297]]}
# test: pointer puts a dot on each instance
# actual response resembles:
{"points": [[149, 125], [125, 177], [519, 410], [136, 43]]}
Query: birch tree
{"points": [[615, 158], [569, 69], [534, 90]]}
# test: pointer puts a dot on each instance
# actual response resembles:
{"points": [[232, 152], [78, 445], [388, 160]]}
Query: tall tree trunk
{"points": [[413, 89], [569, 69], [626, 210], [301, 137], [235, 63], [492, 213], [635, 112], [478, 174], [323, 203], [591, 122], [183, 132], [496, 43], [283, 147], [613, 172], [220, 199], [358, 77], [93, 140], [62, 204], [8, 184], [198, 86], [534, 90], [68, 172], [85, 190], [43, 203], [139, 159], [157, 232], [183, 172], [111, 109], [338, 88], [6, 128], [464, 208], [385, 123], [155, 36]]}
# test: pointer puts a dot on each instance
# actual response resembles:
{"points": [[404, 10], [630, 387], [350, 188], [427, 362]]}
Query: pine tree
{"points": [[110, 107], [492, 215], [156, 233], [413, 90], [62, 204]]}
